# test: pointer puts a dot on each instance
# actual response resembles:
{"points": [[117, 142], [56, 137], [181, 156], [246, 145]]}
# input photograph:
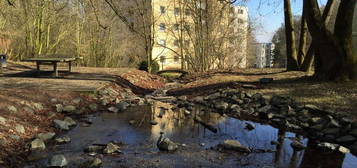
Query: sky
{"points": [[268, 15]]}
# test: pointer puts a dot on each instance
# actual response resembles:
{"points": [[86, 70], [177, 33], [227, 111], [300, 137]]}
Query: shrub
{"points": [[144, 66]]}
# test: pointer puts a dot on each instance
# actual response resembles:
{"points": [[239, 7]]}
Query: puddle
{"points": [[140, 142]]}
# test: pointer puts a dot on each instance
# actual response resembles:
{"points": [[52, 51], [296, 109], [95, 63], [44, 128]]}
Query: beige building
{"points": [[177, 39]]}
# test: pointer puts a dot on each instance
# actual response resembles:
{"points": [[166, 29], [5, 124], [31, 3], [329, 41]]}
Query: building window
{"points": [[176, 43], [176, 27], [162, 9], [162, 43], [177, 11], [162, 26], [240, 11], [187, 12], [176, 59], [162, 59], [240, 21]]}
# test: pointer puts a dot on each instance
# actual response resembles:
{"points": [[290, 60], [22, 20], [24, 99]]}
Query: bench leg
{"points": [[70, 66], [55, 69]]}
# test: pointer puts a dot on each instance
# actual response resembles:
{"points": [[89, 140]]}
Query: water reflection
{"points": [[140, 137]]}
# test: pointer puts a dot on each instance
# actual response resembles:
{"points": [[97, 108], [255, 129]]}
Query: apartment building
{"points": [[176, 39], [265, 56]]}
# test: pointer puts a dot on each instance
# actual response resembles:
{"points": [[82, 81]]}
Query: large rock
{"points": [[92, 163], [70, 122], [58, 161], [122, 106], [20, 128], [94, 148], [234, 145], [59, 108], [61, 125], [111, 148], [221, 106], [113, 109], [46, 136], [93, 107], [327, 147], [37, 106], [69, 109], [348, 139], [77, 100], [165, 144], [63, 140], [12, 109], [38, 144]]}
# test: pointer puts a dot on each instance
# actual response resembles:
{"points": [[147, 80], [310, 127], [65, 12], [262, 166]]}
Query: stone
{"points": [[280, 101], [2, 120], [327, 147], [182, 98], [165, 144], [249, 126], [46, 136], [61, 125], [29, 110], [93, 107], [63, 140], [20, 128], [59, 108], [187, 112], [354, 125], [333, 131], [70, 122], [354, 132], [94, 148], [15, 137], [153, 122], [54, 100], [132, 122], [69, 109], [318, 127], [38, 145], [234, 145], [113, 109], [221, 105], [77, 100], [333, 123], [58, 161], [37, 106], [298, 146], [122, 106], [111, 148], [346, 139], [343, 150], [51, 114], [95, 163], [12, 109]]}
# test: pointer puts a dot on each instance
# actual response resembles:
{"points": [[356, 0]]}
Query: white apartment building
{"points": [[265, 56]]}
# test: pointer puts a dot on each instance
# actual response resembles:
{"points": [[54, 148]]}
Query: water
{"points": [[140, 142]]}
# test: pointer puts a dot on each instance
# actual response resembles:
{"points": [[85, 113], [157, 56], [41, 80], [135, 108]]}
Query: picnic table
{"points": [[45, 61]]}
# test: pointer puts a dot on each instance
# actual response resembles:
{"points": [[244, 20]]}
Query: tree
{"points": [[292, 64]]}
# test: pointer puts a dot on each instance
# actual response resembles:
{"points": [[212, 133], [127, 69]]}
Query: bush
{"points": [[154, 68]]}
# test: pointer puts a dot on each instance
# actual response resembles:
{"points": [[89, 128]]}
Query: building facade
{"points": [[180, 30], [354, 33], [265, 55]]}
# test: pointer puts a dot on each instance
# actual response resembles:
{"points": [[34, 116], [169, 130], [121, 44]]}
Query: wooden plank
{"points": [[49, 59]]}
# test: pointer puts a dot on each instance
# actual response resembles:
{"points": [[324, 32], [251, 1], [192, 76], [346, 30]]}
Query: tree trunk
{"points": [[343, 34], [327, 59], [303, 40], [292, 64]]}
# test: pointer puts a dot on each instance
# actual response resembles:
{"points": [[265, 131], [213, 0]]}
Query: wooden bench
{"points": [[52, 61]]}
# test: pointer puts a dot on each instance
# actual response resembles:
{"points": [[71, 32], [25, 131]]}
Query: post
{"points": [[55, 68], [70, 66], [38, 67]]}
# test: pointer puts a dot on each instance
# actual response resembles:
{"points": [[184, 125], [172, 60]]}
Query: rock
{"points": [[221, 105], [113, 109], [2, 120], [38, 144], [132, 122], [122, 106], [29, 110], [93, 107], [12, 109], [94, 148], [70, 122], [354, 125], [187, 112], [77, 100], [316, 120], [15, 137], [348, 139], [38, 106], [248, 86], [298, 146], [69, 109], [153, 122], [63, 140], [318, 127], [46, 136], [59, 108], [281, 101], [327, 147], [249, 126], [111, 148], [54, 100], [3, 141], [182, 98], [343, 150], [354, 148], [61, 125], [51, 114], [20, 128], [234, 145], [266, 80], [58, 161], [165, 144], [354, 132], [95, 163], [333, 131], [333, 123]]}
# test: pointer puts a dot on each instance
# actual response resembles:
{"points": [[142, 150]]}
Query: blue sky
{"points": [[268, 15]]}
